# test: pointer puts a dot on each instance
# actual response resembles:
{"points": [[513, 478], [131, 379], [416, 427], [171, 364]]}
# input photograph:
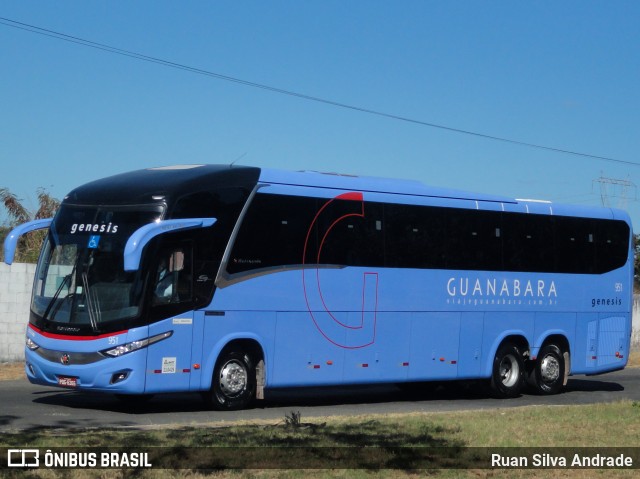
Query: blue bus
{"points": [[227, 280]]}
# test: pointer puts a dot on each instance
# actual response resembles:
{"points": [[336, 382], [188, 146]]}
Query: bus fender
{"points": [[488, 366], [542, 338], [209, 362]]}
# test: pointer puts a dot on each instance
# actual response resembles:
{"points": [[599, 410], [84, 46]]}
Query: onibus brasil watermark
{"points": [[34, 458]]}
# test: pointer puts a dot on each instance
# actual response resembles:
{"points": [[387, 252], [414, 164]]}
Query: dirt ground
{"points": [[11, 371]]}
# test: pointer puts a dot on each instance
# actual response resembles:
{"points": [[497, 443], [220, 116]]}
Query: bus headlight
{"points": [[30, 344], [135, 345]]}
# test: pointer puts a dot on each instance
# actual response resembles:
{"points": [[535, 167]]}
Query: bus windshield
{"points": [[81, 284]]}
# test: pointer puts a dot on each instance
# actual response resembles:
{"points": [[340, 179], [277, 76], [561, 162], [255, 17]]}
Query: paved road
{"points": [[25, 406]]}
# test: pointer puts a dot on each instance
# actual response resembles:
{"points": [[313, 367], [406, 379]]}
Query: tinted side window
{"points": [[612, 243], [351, 234], [528, 243], [171, 276], [474, 240], [273, 233], [575, 245], [415, 236], [224, 204], [348, 232]]}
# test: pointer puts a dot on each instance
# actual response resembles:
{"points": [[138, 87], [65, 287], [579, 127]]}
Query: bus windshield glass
{"points": [[80, 280]]}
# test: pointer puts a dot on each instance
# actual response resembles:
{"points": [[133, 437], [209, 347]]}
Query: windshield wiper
{"points": [[57, 293], [54, 298], [90, 295]]}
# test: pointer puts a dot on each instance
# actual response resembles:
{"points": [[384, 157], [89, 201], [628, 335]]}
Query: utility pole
{"points": [[616, 188]]}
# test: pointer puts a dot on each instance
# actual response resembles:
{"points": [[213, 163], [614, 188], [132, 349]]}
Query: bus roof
{"points": [[171, 182], [337, 181], [371, 184]]}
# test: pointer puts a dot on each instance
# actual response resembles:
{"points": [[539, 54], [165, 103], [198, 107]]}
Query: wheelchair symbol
{"points": [[93, 241]]}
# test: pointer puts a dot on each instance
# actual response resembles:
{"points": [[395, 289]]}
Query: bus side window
{"points": [[173, 276]]}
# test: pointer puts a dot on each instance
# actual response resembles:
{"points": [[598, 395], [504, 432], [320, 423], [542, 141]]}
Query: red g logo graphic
{"points": [[352, 334]]}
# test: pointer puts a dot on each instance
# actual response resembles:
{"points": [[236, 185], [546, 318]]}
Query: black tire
{"points": [[547, 373], [507, 377], [234, 381]]}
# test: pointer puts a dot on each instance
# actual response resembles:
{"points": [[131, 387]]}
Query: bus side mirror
{"points": [[141, 237], [11, 241]]}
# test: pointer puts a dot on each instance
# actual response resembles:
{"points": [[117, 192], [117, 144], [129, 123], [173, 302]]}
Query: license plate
{"points": [[67, 382]]}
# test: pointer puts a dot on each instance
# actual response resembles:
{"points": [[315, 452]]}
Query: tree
{"points": [[29, 245]]}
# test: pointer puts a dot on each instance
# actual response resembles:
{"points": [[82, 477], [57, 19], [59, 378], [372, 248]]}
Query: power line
{"points": [[139, 56]]}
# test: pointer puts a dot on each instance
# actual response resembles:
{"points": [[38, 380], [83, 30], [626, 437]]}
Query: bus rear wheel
{"points": [[234, 381], [547, 374], [507, 376]]}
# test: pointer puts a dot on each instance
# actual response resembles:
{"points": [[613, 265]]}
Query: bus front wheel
{"points": [[548, 371], [507, 377], [234, 381]]}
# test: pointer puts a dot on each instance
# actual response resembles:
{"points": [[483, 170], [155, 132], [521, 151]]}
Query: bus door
{"points": [[169, 362]]}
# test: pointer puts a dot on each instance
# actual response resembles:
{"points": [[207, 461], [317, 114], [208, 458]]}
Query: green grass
{"points": [[305, 443], [605, 424]]}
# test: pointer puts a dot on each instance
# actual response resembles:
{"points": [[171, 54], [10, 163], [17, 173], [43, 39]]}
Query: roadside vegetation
{"points": [[403, 446], [17, 213]]}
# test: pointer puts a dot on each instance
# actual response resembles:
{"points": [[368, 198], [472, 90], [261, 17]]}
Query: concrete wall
{"points": [[16, 282]]}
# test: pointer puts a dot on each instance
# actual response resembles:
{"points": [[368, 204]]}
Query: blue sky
{"points": [[559, 74]]}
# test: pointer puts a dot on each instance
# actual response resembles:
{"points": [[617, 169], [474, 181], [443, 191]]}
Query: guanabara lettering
{"points": [[501, 288]]}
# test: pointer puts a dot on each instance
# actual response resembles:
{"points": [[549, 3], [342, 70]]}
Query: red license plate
{"points": [[68, 382]]}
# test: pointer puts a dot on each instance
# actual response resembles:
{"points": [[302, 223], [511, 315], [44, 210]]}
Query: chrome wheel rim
{"points": [[233, 378], [509, 371], [549, 369]]}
